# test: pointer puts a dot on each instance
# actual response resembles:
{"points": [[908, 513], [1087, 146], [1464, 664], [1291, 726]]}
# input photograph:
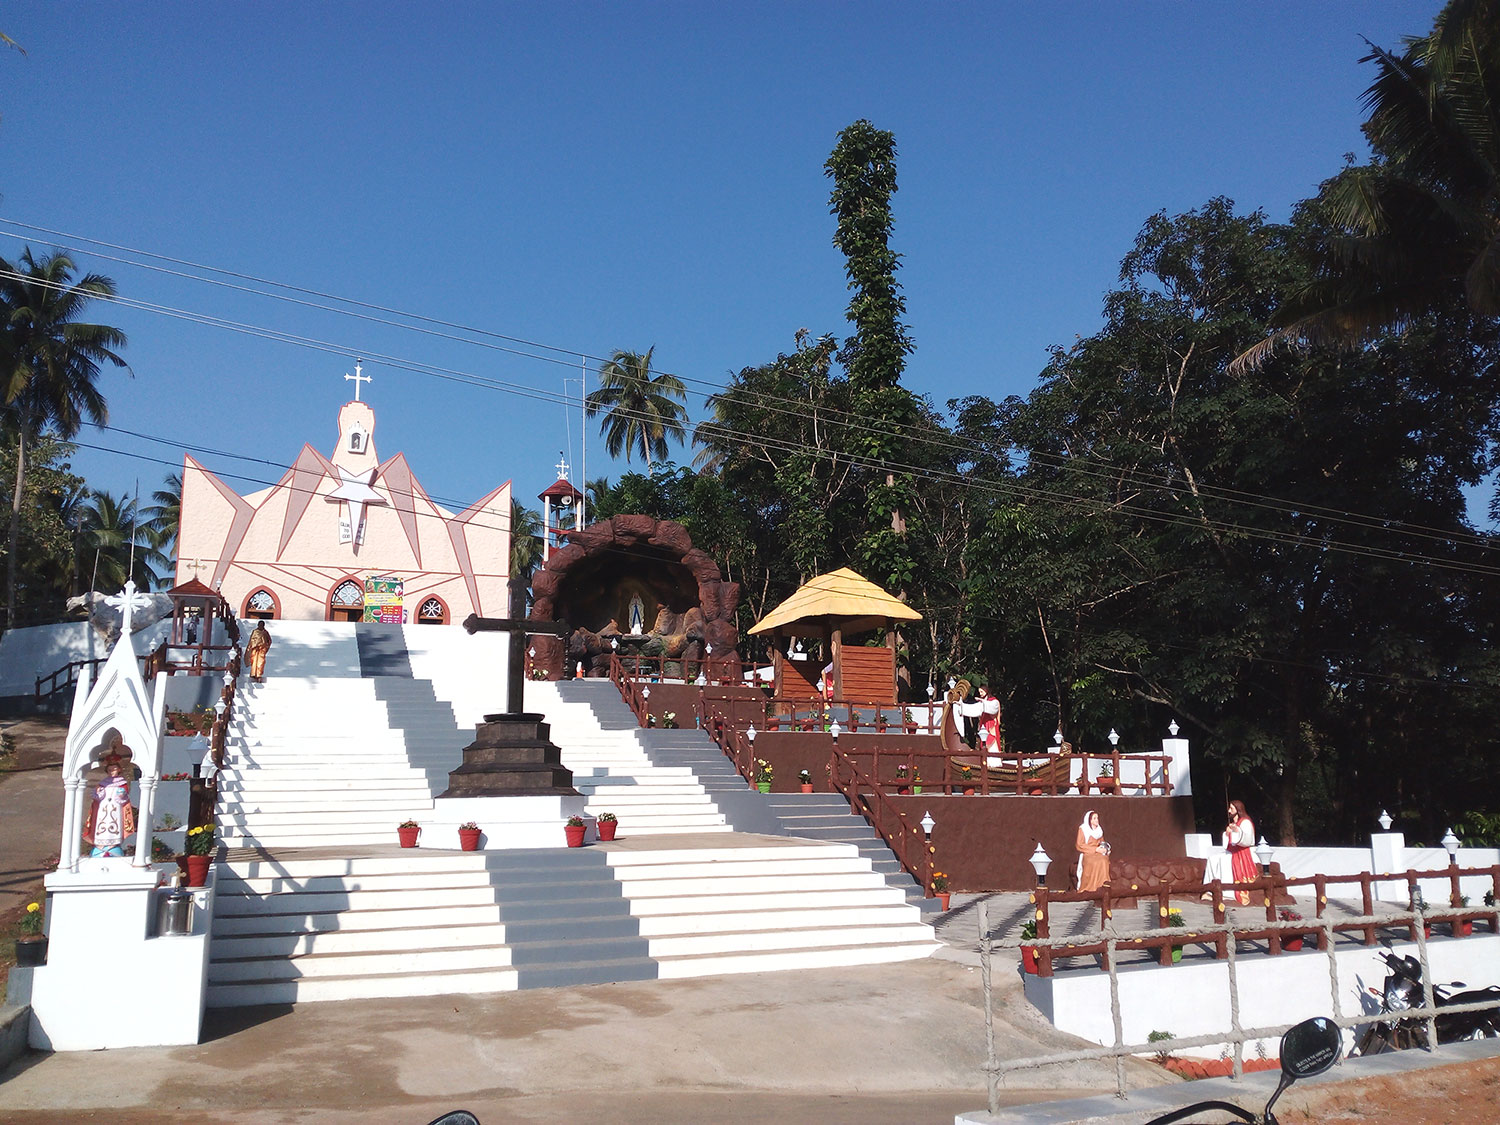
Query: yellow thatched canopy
{"points": [[840, 599]]}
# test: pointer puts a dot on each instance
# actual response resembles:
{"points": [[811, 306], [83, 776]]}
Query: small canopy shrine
{"points": [[833, 607]]}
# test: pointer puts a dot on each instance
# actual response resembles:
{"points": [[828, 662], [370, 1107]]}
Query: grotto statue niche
{"points": [[633, 570]]}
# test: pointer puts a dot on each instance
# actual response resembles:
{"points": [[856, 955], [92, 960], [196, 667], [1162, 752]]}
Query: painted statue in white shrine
{"points": [[111, 819]]}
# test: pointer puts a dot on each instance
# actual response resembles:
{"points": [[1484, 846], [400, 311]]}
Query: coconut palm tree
{"points": [[115, 544], [164, 516], [641, 409], [1419, 228], [49, 363], [525, 539]]}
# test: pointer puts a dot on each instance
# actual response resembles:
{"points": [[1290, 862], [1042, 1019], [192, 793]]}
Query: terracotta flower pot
{"points": [[197, 869], [807, 787], [903, 789], [468, 839], [575, 832], [608, 828], [1292, 944], [31, 951], [1463, 929], [1028, 958], [942, 897], [968, 791], [408, 836]]}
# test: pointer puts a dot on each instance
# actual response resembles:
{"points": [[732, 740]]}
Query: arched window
{"points": [[356, 441], [432, 612], [347, 601], [261, 605]]}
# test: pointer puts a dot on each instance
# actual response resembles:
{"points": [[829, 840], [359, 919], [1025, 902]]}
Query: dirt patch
{"points": [[1444, 1095]]}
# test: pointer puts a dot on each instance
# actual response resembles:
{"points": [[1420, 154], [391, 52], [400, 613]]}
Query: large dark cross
{"points": [[518, 628]]}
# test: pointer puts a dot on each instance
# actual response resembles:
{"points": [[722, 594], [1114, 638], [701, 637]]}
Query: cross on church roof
{"points": [[562, 467], [358, 378]]}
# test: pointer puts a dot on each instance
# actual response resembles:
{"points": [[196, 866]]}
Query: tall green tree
{"points": [[164, 516], [863, 169], [49, 365], [1418, 228], [642, 409]]}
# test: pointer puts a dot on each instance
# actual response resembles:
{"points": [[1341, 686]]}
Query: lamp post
{"points": [[1263, 853], [1173, 728], [1040, 861], [835, 730], [928, 824], [1385, 821], [1450, 845], [1114, 737]]}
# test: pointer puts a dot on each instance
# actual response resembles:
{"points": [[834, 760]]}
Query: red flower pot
{"points": [[968, 791], [575, 832], [807, 787], [608, 828], [197, 869], [1463, 929], [1028, 958], [903, 789], [1292, 944], [409, 836], [942, 897], [468, 839]]}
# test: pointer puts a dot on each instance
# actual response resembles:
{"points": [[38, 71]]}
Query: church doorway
{"points": [[347, 602]]}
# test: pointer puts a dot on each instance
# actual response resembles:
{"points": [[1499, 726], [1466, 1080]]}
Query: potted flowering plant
{"points": [[468, 836], [540, 674], [31, 946], [574, 830], [1028, 952], [1175, 922], [804, 777], [200, 846], [669, 720], [408, 831], [1290, 941], [764, 774], [966, 777], [607, 824], [903, 779], [940, 888]]}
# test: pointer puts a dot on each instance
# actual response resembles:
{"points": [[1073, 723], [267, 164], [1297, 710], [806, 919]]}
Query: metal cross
{"points": [[562, 467], [358, 378]]}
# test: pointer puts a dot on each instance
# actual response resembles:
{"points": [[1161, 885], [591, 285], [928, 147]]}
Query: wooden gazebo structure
{"points": [[832, 607], [195, 610]]}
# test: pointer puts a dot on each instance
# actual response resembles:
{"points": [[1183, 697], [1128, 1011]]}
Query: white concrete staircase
{"points": [[316, 902], [613, 772]]}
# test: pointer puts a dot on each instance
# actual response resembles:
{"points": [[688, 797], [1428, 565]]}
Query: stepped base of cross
{"points": [[314, 900]]}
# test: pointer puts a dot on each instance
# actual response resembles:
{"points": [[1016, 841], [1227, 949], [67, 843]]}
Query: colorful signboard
{"points": [[383, 597]]}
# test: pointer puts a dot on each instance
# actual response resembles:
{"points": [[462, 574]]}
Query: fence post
{"points": [[1367, 903], [1320, 886], [1043, 930], [1274, 941], [1163, 907]]}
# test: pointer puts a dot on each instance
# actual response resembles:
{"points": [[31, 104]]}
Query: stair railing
{"points": [[630, 689], [907, 841], [205, 791]]}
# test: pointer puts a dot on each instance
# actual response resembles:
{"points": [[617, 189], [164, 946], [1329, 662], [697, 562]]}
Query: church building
{"points": [[346, 537]]}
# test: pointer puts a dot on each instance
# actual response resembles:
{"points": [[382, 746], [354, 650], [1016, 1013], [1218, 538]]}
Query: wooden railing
{"points": [[1263, 891], [737, 744], [630, 687], [907, 841], [714, 670]]}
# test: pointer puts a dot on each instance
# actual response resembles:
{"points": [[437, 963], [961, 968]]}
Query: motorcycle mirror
{"points": [[1310, 1048], [456, 1117]]}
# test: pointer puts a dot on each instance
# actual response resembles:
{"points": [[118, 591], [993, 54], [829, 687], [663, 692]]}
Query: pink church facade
{"points": [[303, 548]]}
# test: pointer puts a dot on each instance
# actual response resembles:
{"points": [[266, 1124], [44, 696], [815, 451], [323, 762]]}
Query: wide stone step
{"points": [[874, 895], [292, 990], [406, 919], [813, 937], [676, 968], [788, 918], [410, 960], [294, 944]]}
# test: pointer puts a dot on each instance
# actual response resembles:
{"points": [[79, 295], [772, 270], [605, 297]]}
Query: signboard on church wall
{"points": [[383, 598]]}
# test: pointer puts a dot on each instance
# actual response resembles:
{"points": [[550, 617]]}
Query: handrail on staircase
{"points": [[907, 841], [630, 690], [205, 791]]}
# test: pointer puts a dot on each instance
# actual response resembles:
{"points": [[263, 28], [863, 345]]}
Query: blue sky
{"points": [[601, 176]]}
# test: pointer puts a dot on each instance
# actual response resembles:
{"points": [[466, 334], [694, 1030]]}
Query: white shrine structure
{"points": [[102, 910]]}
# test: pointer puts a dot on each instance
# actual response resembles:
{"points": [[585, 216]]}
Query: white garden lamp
{"points": [[1040, 861], [1385, 821], [1450, 845], [1263, 853]]}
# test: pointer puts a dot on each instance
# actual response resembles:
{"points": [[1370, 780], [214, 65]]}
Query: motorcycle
{"points": [[1309, 1048], [1403, 992]]}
